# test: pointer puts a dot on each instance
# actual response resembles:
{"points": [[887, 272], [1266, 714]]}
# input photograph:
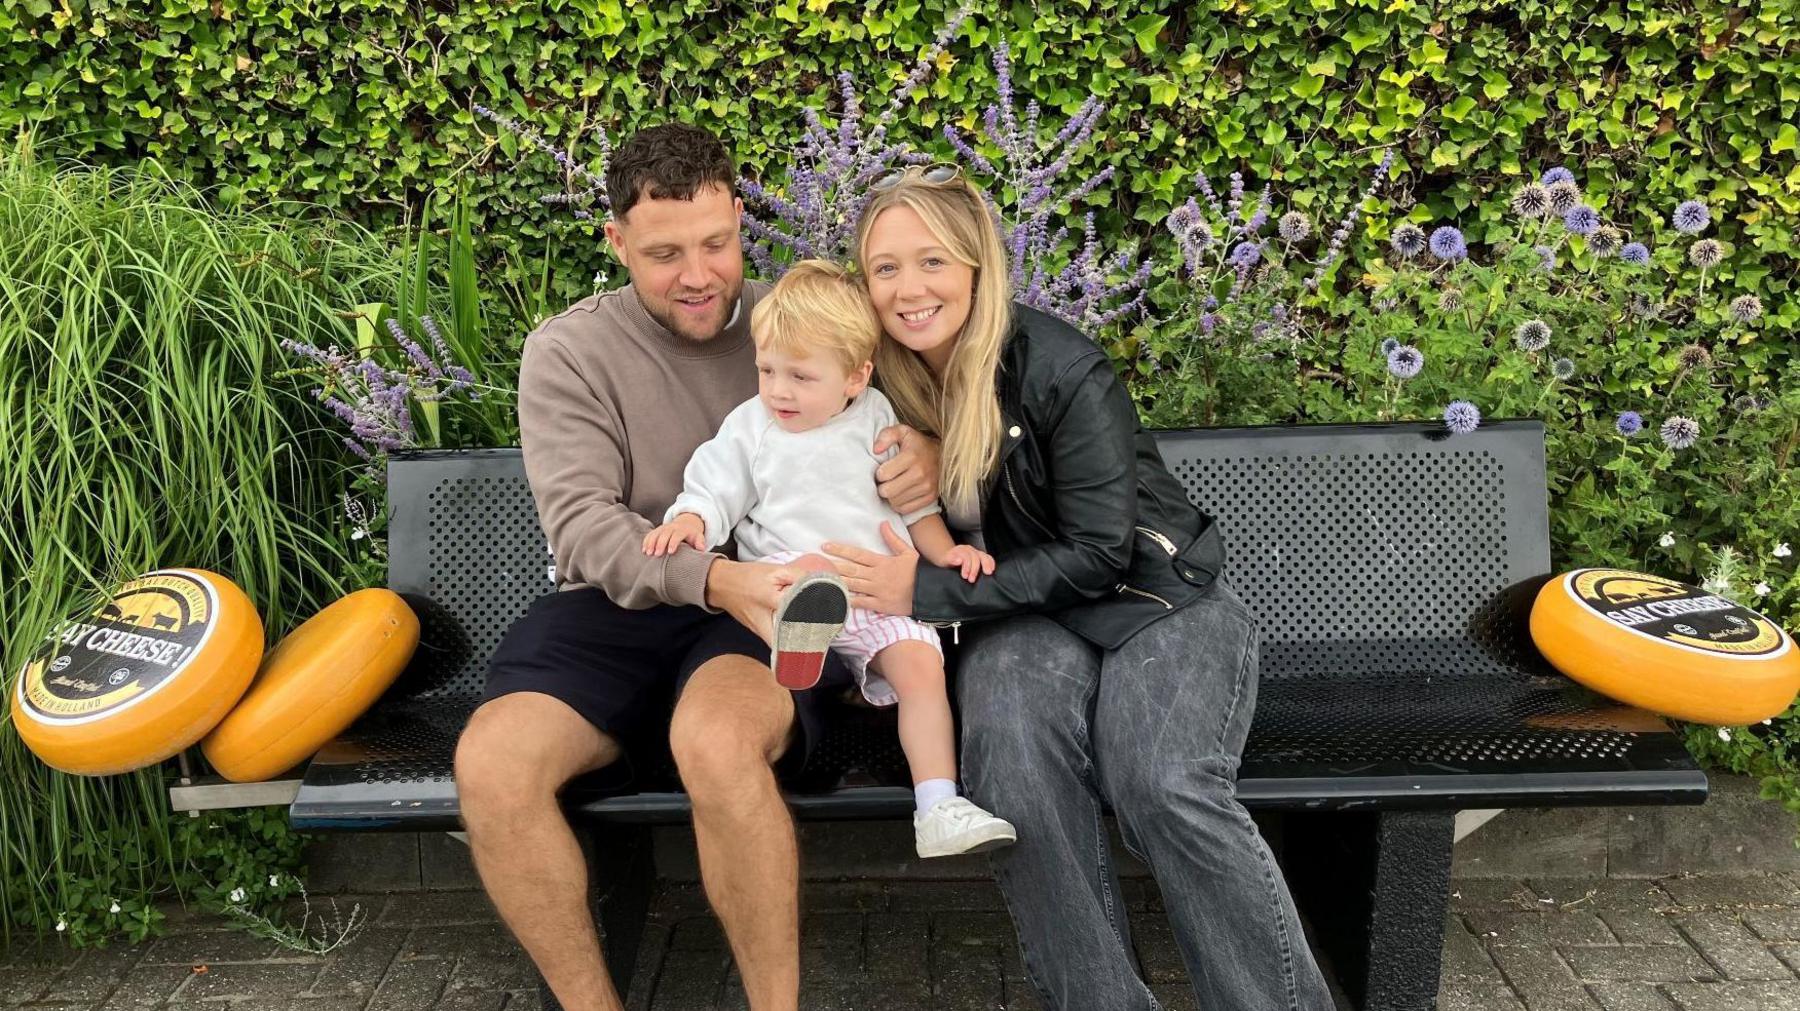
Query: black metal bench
{"points": [[1391, 568]]}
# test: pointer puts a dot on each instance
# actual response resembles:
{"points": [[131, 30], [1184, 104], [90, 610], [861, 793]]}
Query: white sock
{"points": [[930, 791]]}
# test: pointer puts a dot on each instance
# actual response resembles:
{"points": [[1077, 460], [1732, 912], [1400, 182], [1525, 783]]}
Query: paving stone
{"points": [[1477, 995], [147, 986], [1543, 978], [972, 928], [1656, 964], [444, 863], [1021, 996], [965, 978], [1732, 890], [690, 980], [488, 971], [1172, 996], [219, 947], [1641, 926], [1736, 996], [245, 982], [1464, 956], [1777, 924], [1567, 842], [680, 898], [1725, 942], [652, 947], [20, 985], [411, 984], [93, 976], [355, 969], [278, 1004], [470, 940], [843, 896], [524, 1000], [363, 862], [834, 930], [1494, 893], [470, 1000], [32, 953], [1631, 997], [1537, 929], [698, 933], [432, 908], [1736, 832], [313, 909], [898, 953], [1567, 894], [941, 896]]}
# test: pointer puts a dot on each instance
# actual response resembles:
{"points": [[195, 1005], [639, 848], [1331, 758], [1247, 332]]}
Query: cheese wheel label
{"points": [[138, 641], [1676, 613]]}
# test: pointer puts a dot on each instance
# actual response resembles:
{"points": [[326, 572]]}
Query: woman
{"points": [[1111, 660]]}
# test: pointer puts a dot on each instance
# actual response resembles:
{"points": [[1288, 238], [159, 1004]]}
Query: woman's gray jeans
{"points": [[1051, 726]]}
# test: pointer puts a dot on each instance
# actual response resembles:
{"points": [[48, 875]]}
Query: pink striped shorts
{"points": [[867, 633]]}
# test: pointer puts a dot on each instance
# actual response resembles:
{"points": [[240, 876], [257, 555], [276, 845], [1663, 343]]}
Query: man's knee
{"points": [[518, 751], [732, 722]]}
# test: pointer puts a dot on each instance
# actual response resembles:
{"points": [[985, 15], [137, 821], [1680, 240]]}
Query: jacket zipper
{"points": [[1167, 545], [955, 628], [1145, 593], [1006, 473]]}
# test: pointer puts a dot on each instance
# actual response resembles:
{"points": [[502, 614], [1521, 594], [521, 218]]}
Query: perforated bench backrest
{"points": [[1360, 548]]}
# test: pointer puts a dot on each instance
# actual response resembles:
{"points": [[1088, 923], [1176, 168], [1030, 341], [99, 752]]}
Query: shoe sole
{"points": [[991, 838], [809, 618]]}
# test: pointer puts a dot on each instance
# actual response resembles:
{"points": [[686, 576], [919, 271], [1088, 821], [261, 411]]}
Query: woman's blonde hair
{"points": [[964, 410], [818, 307]]}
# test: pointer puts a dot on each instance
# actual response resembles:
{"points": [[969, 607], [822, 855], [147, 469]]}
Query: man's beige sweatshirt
{"points": [[611, 406]]}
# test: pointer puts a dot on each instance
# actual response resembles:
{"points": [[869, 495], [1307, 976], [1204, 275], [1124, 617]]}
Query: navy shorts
{"points": [[622, 670]]}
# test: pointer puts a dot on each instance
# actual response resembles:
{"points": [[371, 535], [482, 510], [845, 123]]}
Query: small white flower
{"points": [[61, 925], [1768, 722], [358, 534], [1668, 539], [1782, 550], [237, 895], [1725, 735], [115, 906], [274, 881], [1762, 589]]}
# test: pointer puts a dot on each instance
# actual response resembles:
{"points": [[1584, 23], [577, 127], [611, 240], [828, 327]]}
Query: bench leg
{"points": [[1376, 888], [621, 878]]}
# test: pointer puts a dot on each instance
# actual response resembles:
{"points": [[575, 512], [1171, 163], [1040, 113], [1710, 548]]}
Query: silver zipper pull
{"points": [[956, 632]]}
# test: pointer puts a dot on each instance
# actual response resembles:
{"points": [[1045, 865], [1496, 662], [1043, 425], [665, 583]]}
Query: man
{"points": [[614, 396]]}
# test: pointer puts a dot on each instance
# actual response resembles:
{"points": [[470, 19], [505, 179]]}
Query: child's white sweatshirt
{"points": [[777, 490]]}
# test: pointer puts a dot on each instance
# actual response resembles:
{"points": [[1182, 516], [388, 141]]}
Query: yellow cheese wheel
{"points": [[1668, 647], [145, 676], [321, 677]]}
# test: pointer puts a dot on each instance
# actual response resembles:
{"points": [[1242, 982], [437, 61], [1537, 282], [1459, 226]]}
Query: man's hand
{"points": [[687, 527], [908, 482], [748, 591], [879, 582], [971, 560]]}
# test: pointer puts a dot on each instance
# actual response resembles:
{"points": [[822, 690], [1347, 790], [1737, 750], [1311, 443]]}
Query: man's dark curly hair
{"points": [[668, 162]]}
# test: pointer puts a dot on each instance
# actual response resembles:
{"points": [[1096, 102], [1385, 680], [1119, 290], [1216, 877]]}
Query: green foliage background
{"points": [[366, 106]]}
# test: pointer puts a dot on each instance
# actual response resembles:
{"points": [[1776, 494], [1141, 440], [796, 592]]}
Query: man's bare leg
{"points": [[731, 724], [515, 755]]}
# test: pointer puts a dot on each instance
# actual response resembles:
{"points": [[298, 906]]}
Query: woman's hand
{"points": [[908, 482], [878, 582]]}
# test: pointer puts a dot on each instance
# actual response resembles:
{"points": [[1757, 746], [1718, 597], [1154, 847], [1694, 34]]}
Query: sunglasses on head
{"points": [[936, 175]]}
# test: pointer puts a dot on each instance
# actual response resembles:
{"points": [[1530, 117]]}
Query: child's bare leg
{"points": [[927, 733]]}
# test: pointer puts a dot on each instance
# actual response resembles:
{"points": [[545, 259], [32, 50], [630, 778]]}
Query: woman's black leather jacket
{"points": [[1084, 520]]}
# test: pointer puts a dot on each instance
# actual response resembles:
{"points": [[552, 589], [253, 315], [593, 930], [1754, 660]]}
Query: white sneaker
{"points": [[956, 826]]}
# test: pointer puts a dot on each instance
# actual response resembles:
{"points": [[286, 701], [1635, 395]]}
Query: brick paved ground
{"points": [[1674, 944]]}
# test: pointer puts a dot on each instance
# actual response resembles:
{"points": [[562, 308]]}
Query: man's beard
{"points": [[670, 317]]}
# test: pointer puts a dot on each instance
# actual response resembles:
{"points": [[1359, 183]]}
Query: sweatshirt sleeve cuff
{"points": [[684, 577]]}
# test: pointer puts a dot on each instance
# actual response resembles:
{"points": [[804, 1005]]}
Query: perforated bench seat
{"points": [[1390, 569]]}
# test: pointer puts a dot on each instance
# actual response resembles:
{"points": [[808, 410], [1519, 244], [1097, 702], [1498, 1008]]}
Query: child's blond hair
{"points": [[818, 307]]}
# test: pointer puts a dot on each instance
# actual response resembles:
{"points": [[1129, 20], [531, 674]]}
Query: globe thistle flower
{"points": [[1404, 362], [1643, 308], [1563, 369], [1388, 345], [1629, 424], [1450, 300], [1679, 432], [1531, 201], [1565, 196], [1408, 240], [1461, 417], [1690, 217], [1532, 335], [1606, 241], [1546, 258], [1747, 404], [1706, 253], [1635, 253], [1552, 176], [1693, 356], [1582, 220], [1246, 254], [1293, 226], [1447, 244], [1746, 308]]}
